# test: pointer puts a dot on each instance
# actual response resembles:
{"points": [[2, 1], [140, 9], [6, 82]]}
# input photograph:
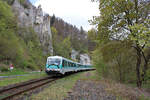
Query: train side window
{"points": [[68, 64], [65, 63]]}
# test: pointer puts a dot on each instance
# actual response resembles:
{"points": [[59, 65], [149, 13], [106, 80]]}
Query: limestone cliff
{"points": [[30, 16]]}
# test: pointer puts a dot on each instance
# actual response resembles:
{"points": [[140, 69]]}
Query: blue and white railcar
{"points": [[60, 65]]}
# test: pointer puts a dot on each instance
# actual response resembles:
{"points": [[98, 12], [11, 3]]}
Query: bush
{"points": [[115, 60], [4, 68], [10, 2]]}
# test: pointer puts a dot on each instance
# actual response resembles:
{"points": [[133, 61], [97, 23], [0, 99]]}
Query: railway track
{"points": [[7, 93]]}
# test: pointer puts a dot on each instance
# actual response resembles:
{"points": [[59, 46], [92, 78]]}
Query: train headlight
{"points": [[48, 69]]}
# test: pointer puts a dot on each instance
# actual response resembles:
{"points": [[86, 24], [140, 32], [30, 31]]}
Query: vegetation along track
{"points": [[6, 93]]}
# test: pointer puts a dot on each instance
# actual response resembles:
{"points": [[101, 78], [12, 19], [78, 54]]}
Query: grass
{"points": [[144, 86], [60, 89], [14, 72], [18, 79], [143, 98]]}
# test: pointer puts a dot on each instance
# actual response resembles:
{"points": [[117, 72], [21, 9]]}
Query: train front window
{"points": [[53, 61]]}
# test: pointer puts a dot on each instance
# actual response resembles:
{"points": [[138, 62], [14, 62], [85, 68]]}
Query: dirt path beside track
{"points": [[105, 90], [88, 90]]}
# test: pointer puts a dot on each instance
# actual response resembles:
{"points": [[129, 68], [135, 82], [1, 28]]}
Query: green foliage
{"points": [[3, 67], [18, 79], [52, 20], [92, 34], [140, 34], [78, 39], [22, 49], [9, 44], [112, 60], [142, 97], [32, 48], [10, 2], [61, 47], [98, 62], [66, 47], [92, 39], [118, 56], [124, 20], [79, 45]]}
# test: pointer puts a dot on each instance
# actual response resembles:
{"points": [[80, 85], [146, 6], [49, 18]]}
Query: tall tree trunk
{"points": [[146, 59], [138, 65]]}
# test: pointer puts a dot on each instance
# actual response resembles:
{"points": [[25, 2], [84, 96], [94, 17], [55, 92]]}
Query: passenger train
{"points": [[60, 65]]}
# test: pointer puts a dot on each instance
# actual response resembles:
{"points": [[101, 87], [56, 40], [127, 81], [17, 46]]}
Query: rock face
{"points": [[85, 59], [30, 16], [82, 58], [74, 54]]}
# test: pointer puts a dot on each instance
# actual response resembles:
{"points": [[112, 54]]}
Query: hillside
{"points": [[76, 37], [28, 41]]}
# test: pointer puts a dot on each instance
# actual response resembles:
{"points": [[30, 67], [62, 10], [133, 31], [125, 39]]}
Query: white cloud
{"points": [[75, 12]]}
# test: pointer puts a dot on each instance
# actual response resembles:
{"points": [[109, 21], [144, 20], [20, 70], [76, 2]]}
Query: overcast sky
{"points": [[75, 12]]}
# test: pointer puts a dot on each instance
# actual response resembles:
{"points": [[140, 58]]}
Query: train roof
{"points": [[59, 57]]}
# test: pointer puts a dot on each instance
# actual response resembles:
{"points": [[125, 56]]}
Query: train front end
{"points": [[53, 65]]}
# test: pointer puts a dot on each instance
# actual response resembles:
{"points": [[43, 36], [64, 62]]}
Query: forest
{"points": [[122, 41], [67, 37]]}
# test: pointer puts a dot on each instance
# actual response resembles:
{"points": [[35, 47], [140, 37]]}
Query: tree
{"points": [[52, 20], [61, 47], [118, 56], [9, 46], [81, 30], [92, 37], [126, 19]]}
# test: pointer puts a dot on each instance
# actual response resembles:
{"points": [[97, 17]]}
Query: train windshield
{"points": [[53, 61]]}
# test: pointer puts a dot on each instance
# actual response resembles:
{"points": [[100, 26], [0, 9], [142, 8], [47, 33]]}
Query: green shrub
{"points": [[4, 68], [142, 97], [114, 60], [10, 2]]}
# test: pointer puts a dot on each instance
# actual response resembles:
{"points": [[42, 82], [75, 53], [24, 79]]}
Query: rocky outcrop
{"points": [[85, 59], [74, 54], [30, 16], [82, 58]]}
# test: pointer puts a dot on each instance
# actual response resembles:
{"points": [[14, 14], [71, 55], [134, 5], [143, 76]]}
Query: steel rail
{"points": [[4, 89], [26, 90], [35, 83]]}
